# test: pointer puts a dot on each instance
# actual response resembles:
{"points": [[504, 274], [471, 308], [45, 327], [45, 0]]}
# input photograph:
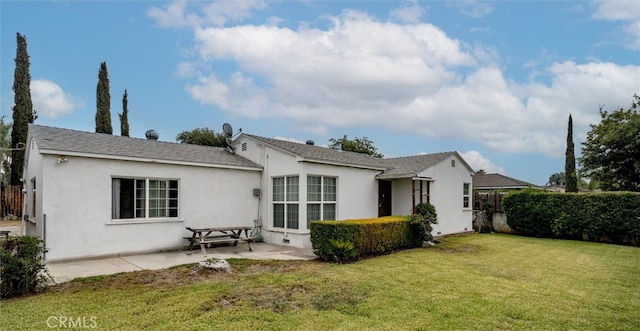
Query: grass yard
{"points": [[477, 282]]}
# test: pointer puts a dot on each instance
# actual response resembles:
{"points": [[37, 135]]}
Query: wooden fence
{"points": [[11, 201], [491, 200]]}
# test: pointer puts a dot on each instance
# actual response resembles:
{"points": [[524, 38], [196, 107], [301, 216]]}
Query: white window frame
{"points": [[323, 198], [142, 211], [466, 195], [290, 200]]}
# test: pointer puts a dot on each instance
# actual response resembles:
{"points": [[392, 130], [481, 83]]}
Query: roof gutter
{"points": [[302, 159], [145, 160]]}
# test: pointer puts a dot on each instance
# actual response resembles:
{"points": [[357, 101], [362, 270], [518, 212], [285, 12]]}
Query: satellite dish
{"points": [[227, 129], [228, 134]]}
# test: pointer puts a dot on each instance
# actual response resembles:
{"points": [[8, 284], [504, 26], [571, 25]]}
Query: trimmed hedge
{"points": [[370, 237], [611, 217]]}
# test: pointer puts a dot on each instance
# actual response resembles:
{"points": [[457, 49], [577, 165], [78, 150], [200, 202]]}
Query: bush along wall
{"points": [[22, 268], [611, 217], [347, 240]]}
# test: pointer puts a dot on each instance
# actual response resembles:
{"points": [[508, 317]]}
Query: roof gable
{"points": [[412, 166], [312, 153], [99, 145]]}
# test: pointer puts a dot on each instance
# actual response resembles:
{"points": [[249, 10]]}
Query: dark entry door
{"points": [[384, 198]]}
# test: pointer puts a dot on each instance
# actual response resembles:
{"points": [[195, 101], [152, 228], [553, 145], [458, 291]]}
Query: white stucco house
{"points": [[90, 194]]}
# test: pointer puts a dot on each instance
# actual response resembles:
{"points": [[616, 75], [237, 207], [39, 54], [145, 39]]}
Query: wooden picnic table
{"points": [[215, 235]]}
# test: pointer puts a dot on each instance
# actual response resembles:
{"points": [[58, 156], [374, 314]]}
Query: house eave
{"points": [[147, 160], [341, 164]]}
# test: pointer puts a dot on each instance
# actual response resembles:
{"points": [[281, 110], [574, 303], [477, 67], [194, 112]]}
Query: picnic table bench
{"points": [[216, 235]]}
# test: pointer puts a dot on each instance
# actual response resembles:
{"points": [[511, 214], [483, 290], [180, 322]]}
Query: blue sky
{"points": [[494, 80]]}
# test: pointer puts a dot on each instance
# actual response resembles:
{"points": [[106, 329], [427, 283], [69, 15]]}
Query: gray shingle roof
{"points": [[490, 181], [57, 140], [400, 167], [410, 166], [324, 154]]}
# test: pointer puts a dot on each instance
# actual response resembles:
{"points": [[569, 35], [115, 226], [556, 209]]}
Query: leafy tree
{"points": [[481, 172], [23, 112], [611, 152], [571, 181], [358, 145], [5, 144], [202, 136], [557, 179], [103, 102], [124, 118]]}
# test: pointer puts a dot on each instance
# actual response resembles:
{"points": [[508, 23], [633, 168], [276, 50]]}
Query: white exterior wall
{"points": [[357, 190], [78, 203], [446, 195], [33, 226], [401, 197]]}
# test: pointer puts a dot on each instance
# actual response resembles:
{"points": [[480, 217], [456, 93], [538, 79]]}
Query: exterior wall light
{"points": [[62, 159]]}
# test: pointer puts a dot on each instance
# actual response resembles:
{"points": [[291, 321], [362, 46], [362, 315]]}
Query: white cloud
{"points": [[239, 95], [473, 8], [409, 13], [347, 76], [627, 11], [176, 14], [186, 70], [478, 162], [49, 100]]}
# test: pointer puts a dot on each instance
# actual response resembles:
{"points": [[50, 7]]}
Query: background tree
{"points": [[5, 145], [202, 136], [571, 180], [611, 152], [124, 117], [103, 102], [557, 179], [358, 145], [23, 112]]}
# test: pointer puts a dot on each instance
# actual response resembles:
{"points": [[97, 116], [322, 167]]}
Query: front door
{"points": [[384, 198]]}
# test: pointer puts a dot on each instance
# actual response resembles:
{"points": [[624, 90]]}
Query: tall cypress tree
{"points": [[23, 112], [124, 117], [103, 102], [571, 180]]}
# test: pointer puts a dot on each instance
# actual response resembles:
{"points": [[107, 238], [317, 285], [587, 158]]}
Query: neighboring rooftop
{"points": [[58, 141], [498, 181]]}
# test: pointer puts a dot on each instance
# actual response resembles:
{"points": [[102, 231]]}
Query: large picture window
{"points": [[321, 198], [285, 202], [144, 198]]}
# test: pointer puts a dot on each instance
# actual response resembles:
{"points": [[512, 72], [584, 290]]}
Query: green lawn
{"points": [[477, 282]]}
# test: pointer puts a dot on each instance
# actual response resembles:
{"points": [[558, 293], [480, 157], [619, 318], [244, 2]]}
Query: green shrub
{"points": [[343, 250], [421, 222], [612, 217], [22, 269], [369, 236]]}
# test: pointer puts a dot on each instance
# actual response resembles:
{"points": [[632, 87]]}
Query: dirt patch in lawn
{"points": [[176, 276]]}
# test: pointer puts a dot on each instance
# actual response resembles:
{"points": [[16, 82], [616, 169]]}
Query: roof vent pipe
{"points": [[310, 142]]}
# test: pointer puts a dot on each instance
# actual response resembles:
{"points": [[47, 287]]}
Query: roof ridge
{"points": [[100, 134], [420, 155]]}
